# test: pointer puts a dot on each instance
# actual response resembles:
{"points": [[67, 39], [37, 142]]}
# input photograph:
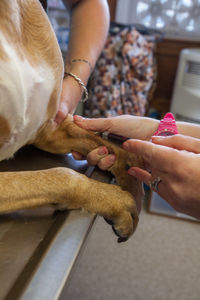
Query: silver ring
{"points": [[154, 184]]}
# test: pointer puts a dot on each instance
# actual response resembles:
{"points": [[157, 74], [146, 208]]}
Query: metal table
{"points": [[38, 247]]}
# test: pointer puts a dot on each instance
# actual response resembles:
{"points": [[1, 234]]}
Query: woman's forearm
{"points": [[88, 32]]}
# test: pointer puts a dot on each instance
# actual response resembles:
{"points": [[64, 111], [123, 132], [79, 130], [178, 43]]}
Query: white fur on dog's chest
{"points": [[25, 91]]}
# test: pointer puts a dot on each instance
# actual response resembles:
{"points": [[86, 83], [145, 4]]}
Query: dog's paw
{"points": [[117, 232], [122, 213]]}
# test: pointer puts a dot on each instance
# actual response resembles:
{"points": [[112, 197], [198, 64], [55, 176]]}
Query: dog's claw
{"points": [[122, 239], [123, 216], [110, 222]]}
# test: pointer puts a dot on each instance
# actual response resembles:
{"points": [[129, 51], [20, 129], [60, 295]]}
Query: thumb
{"points": [[179, 142], [62, 113], [99, 124], [123, 125]]}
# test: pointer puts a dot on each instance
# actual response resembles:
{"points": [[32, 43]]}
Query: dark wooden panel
{"points": [[167, 56], [44, 3], [112, 5]]}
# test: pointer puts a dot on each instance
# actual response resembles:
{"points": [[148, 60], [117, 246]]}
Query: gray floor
{"points": [[161, 261]]}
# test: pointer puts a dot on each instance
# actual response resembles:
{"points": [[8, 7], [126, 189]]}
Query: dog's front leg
{"points": [[20, 190], [69, 137]]}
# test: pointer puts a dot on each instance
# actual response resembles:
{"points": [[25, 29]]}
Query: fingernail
{"points": [[126, 145], [112, 158], [102, 150], [78, 118], [158, 137], [60, 117], [131, 172]]}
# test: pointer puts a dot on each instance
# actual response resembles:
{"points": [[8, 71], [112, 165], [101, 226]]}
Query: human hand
{"points": [[125, 125], [176, 160], [71, 94]]}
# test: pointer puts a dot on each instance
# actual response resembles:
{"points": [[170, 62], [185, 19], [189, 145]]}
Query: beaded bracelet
{"points": [[79, 82]]}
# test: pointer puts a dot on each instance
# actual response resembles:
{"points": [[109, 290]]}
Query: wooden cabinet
{"points": [[112, 5], [167, 56], [44, 3]]}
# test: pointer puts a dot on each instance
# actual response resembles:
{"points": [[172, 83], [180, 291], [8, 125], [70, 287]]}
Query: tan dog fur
{"points": [[25, 27]]}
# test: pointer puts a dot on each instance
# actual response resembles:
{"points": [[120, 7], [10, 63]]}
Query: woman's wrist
{"points": [[72, 91], [81, 69], [77, 73], [80, 83]]}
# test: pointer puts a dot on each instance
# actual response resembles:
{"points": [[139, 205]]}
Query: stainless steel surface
{"points": [[56, 265], [20, 239], [38, 247]]}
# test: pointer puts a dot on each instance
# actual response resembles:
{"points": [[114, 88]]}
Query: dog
{"points": [[31, 74]]}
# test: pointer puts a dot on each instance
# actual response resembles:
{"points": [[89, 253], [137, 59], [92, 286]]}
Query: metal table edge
{"points": [[55, 266]]}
